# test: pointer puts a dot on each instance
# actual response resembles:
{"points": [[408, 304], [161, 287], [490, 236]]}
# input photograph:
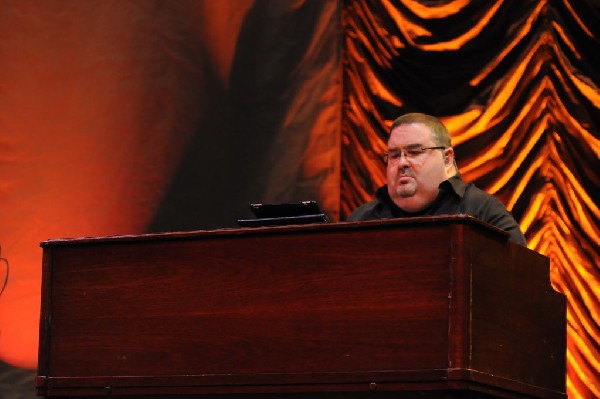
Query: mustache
{"points": [[406, 172]]}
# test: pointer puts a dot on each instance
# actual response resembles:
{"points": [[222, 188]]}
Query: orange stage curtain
{"points": [[517, 84]]}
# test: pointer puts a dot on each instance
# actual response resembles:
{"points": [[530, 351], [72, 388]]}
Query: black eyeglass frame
{"points": [[385, 155]]}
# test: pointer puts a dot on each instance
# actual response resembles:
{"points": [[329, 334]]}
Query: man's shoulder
{"points": [[479, 196], [490, 209], [378, 208], [364, 212]]}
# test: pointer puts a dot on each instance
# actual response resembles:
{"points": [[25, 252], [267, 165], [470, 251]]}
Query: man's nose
{"points": [[403, 161]]}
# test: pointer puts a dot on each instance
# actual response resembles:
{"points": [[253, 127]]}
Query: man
{"points": [[423, 179]]}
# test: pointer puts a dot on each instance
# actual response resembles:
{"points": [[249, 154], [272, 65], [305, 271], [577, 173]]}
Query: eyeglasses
{"points": [[411, 154]]}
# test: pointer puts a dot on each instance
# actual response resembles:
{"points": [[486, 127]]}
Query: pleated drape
{"points": [[516, 82]]}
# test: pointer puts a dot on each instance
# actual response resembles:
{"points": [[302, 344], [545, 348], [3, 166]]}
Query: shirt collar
{"points": [[455, 184]]}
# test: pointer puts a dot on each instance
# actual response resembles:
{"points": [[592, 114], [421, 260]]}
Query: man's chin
{"points": [[402, 192], [407, 194], [406, 191]]}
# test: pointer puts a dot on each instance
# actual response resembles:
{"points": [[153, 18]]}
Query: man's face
{"points": [[413, 181]]}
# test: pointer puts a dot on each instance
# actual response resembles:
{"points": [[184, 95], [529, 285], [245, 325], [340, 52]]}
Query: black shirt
{"points": [[455, 197]]}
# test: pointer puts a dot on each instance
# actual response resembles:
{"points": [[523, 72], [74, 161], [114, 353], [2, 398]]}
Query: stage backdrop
{"points": [[517, 84], [125, 117]]}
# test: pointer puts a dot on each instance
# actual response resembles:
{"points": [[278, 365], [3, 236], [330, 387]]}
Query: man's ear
{"points": [[449, 163], [449, 156]]}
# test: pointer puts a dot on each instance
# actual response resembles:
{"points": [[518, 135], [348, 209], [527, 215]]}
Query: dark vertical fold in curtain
{"points": [[286, 93], [272, 135]]}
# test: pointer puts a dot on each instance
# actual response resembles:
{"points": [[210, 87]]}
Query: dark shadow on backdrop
{"points": [[226, 163]]}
